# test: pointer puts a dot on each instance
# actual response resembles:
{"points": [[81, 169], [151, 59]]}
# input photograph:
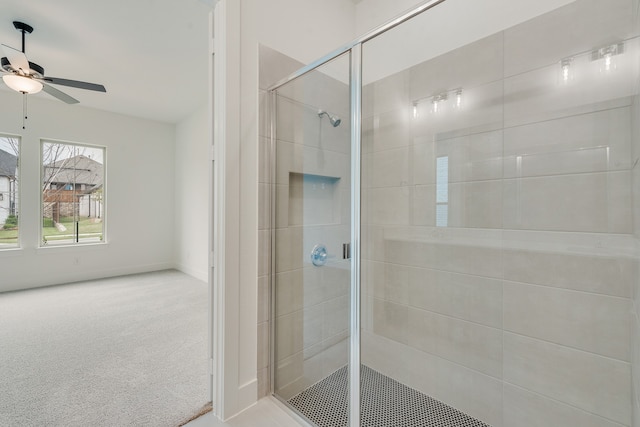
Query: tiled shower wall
{"points": [[312, 186], [273, 66], [500, 256]]}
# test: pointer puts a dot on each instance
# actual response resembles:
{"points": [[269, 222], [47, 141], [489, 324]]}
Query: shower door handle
{"points": [[346, 251]]}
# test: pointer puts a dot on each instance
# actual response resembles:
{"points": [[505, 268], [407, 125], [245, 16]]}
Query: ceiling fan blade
{"points": [[17, 59], [59, 94], [75, 83]]}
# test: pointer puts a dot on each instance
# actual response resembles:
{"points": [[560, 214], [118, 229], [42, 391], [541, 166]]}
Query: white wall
{"points": [[192, 194], [496, 14], [140, 194], [446, 27]]}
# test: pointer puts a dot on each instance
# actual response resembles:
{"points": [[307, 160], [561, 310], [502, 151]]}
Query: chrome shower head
{"points": [[334, 120]]}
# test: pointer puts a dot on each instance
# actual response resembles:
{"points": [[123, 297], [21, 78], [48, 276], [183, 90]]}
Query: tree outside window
{"points": [[72, 193]]}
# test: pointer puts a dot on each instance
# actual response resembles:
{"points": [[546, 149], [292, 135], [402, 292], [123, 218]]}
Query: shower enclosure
{"points": [[455, 220]]}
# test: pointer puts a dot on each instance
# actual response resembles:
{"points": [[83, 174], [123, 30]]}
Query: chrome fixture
{"points": [[335, 120]]}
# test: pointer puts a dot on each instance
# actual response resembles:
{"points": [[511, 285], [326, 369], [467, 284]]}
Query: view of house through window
{"points": [[73, 199], [9, 154]]}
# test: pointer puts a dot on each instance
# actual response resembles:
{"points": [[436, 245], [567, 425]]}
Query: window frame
{"points": [[44, 244], [18, 203]]}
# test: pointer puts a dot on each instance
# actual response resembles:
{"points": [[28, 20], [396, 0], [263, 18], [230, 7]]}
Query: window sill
{"points": [[70, 247], [12, 251]]}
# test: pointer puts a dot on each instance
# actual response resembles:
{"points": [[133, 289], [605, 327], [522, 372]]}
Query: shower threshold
{"points": [[385, 403]]}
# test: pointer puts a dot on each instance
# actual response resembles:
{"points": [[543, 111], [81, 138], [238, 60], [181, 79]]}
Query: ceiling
{"points": [[151, 55]]}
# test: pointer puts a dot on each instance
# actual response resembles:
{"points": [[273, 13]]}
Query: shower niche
{"points": [[313, 199]]}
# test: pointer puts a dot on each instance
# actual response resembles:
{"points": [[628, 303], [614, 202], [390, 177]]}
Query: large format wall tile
{"points": [[597, 384], [523, 408], [390, 205], [594, 142], [388, 94], [585, 272], [390, 320], [289, 249], [474, 298], [390, 168], [591, 322], [476, 157], [390, 282], [475, 204], [423, 158], [391, 130], [289, 334], [424, 205], [288, 292], [335, 317], [457, 258], [469, 344], [538, 95], [597, 202]]}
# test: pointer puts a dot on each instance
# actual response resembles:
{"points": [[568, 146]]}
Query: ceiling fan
{"points": [[27, 77]]}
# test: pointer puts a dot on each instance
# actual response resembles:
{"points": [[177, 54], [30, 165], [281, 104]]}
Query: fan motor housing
{"points": [[34, 69]]}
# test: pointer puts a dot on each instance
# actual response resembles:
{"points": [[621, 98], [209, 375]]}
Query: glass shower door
{"points": [[498, 217], [311, 270]]}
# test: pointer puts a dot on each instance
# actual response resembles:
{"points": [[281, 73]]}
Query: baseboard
{"points": [[91, 275], [248, 394], [193, 272]]}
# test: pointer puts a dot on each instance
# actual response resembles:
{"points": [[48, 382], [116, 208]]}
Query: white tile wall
{"points": [[597, 202], [423, 206], [391, 129], [530, 324], [390, 282], [476, 204], [473, 298], [312, 207], [537, 95], [466, 343], [592, 142], [597, 384], [390, 168], [457, 258], [475, 157], [596, 323], [390, 205], [607, 275], [524, 408]]}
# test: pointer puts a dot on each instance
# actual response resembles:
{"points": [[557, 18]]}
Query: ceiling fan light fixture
{"points": [[22, 84]]}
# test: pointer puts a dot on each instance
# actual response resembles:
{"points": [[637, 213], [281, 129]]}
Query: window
{"points": [[73, 201], [9, 179], [442, 191]]}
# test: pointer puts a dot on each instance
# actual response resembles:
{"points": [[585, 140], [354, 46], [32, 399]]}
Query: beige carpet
{"points": [[127, 351]]}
